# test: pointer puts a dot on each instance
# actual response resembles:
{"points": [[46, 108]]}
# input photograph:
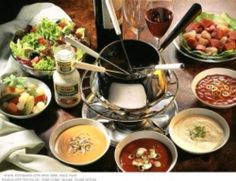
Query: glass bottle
{"points": [[105, 30], [66, 78]]}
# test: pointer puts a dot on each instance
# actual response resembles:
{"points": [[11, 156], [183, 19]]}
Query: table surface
{"points": [[81, 11]]}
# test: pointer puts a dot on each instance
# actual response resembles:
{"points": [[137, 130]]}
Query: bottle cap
{"points": [[64, 56]]}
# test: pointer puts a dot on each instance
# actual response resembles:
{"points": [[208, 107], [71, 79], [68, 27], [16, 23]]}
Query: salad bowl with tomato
{"points": [[34, 46], [23, 97]]}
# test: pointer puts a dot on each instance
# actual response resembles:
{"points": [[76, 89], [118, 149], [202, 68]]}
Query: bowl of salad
{"points": [[33, 47], [211, 38], [23, 97]]}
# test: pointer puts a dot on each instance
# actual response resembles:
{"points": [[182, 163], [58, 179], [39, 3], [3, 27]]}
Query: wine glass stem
{"points": [[157, 42], [138, 34]]}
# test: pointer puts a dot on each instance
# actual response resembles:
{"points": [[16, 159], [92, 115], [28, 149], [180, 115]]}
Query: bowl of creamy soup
{"points": [[199, 131], [146, 151], [79, 141]]}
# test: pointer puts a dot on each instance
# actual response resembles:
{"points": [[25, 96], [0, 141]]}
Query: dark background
{"points": [[10, 8]]}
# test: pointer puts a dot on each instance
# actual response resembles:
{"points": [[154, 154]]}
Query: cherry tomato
{"points": [[40, 98], [42, 41], [15, 100], [62, 24]]}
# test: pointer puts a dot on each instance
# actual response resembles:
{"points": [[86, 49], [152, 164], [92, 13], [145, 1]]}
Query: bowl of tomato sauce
{"points": [[146, 151], [216, 87]]}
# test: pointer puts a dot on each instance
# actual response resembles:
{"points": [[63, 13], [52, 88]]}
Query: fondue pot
{"points": [[143, 87], [144, 95], [140, 89]]}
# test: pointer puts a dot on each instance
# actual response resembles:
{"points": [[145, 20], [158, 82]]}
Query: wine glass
{"points": [[134, 11], [158, 16]]}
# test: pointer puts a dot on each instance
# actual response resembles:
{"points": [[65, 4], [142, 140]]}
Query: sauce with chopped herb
{"points": [[217, 89], [81, 144], [145, 155], [198, 133]]}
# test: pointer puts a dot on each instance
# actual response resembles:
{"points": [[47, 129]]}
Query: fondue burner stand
{"points": [[117, 130], [118, 124]]}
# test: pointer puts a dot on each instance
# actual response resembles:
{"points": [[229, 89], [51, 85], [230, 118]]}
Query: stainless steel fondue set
{"points": [[133, 89]]}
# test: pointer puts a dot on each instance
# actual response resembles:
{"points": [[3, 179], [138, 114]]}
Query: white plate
{"points": [[38, 84], [212, 71], [202, 112]]}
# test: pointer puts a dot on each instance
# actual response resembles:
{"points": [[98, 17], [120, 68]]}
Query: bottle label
{"points": [[67, 96], [107, 23], [64, 66], [67, 91]]}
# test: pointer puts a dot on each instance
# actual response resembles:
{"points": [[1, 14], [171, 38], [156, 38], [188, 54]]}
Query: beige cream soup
{"points": [[81, 144], [198, 133]]}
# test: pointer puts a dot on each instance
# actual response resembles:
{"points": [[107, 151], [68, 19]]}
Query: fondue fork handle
{"points": [[113, 17], [91, 52], [94, 68], [86, 49], [171, 66], [87, 66], [192, 13]]}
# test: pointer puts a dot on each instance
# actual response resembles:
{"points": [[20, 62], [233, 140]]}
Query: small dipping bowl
{"points": [[163, 159], [215, 87], [79, 141], [199, 131]]}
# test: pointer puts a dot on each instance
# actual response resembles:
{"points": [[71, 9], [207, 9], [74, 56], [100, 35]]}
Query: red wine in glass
{"points": [[158, 20]]}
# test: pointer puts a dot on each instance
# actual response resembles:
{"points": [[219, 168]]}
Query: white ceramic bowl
{"points": [[71, 123], [181, 142], [38, 84], [213, 71], [146, 134]]}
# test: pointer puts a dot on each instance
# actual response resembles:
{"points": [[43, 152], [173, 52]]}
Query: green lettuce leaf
{"points": [[46, 63], [28, 46]]}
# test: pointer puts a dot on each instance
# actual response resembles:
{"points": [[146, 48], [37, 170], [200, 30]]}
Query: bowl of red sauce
{"points": [[216, 87], [146, 151]]}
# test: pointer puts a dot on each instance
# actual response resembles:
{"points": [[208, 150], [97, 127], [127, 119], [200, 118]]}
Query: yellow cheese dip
{"points": [[81, 144], [198, 133]]}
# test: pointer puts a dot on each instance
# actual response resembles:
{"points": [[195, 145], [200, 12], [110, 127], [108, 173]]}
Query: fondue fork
{"points": [[115, 23], [92, 53], [94, 68], [171, 66]]}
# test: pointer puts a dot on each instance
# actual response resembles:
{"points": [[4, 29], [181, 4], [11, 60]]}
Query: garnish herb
{"points": [[81, 144], [197, 132]]}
